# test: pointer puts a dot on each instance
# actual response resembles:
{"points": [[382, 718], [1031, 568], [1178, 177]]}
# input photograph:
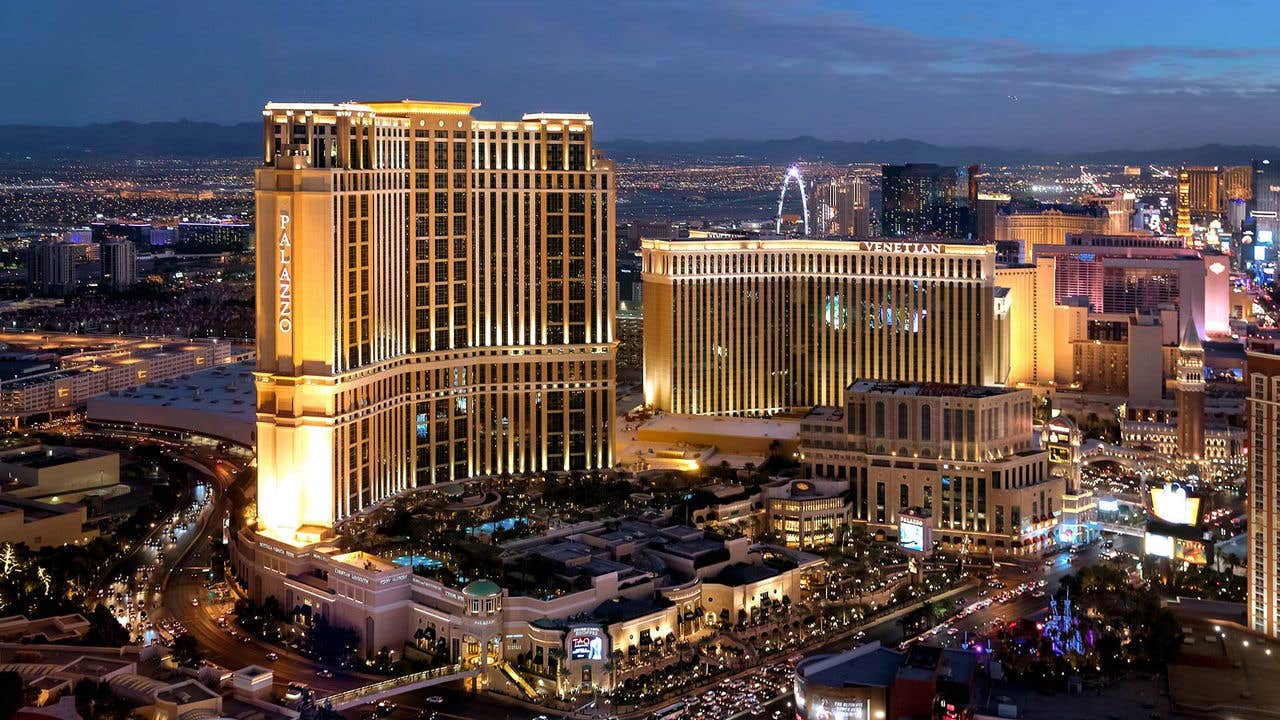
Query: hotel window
{"points": [[879, 419], [926, 418], [902, 420]]}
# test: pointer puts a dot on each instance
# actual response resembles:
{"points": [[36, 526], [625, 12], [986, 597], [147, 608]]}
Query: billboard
{"points": [[1190, 551], [586, 644], [1158, 545], [911, 533], [1108, 505], [1194, 552], [1172, 504]]}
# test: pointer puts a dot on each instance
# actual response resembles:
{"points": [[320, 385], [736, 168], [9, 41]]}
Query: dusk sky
{"points": [[1089, 74]]}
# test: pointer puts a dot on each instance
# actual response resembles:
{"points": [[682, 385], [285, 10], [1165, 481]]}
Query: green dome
{"points": [[482, 588]]}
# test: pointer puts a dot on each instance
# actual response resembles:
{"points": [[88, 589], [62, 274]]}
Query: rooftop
{"points": [[47, 456], [186, 693], [866, 666], [888, 387]]}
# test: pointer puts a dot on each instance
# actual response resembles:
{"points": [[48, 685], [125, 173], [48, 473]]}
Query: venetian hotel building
{"points": [[759, 326], [434, 303]]}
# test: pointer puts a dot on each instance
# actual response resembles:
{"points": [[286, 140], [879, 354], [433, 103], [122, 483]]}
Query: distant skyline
{"points": [[1089, 75]]}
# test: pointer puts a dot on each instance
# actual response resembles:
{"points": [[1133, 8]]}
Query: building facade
{"points": [[1049, 226], [581, 598], [119, 264], [842, 206], [921, 199], [967, 455], [1119, 278], [51, 267], [755, 327], [1263, 497], [435, 300]]}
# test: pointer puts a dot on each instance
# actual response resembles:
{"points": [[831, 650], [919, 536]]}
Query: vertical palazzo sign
{"points": [[285, 277]]}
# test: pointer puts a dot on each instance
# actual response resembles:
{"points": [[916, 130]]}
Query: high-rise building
{"points": [[920, 199], [436, 302], [214, 237], [841, 206], [1123, 278], [1263, 492], [51, 267], [1264, 206], [119, 264], [1189, 389], [1047, 224], [1199, 198], [754, 327], [137, 232]]}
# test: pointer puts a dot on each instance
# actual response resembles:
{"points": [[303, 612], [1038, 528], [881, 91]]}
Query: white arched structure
{"points": [[793, 173]]}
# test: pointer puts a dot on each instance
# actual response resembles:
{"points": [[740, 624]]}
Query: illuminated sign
{"points": [[1171, 504], [285, 278], [1190, 551], [1108, 505], [1158, 545], [1217, 268], [844, 709], [903, 247], [911, 533], [586, 644]]}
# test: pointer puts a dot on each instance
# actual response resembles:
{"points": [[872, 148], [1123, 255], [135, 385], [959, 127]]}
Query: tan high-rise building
{"points": [[1032, 321], [1263, 492], [753, 327], [435, 302], [1048, 227]]}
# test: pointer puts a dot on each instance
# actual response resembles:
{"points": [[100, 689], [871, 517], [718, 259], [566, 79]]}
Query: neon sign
{"points": [[285, 278]]}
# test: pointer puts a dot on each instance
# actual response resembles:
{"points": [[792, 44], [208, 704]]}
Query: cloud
{"points": [[659, 69]]}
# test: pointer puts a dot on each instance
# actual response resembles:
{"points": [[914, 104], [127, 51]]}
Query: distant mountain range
{"points": [[807, 148], [185, 138]]}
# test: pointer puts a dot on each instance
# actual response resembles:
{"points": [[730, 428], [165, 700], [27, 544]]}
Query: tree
{"points": [[11, 694], [332, 644], [186, 651]]}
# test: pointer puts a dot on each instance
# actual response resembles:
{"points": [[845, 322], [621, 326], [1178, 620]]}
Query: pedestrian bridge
{"points": [[1121, 529], [397, 685]]}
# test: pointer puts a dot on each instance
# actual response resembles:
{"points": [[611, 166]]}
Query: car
{"points": [[435, 699], [273, 656], [324, 673], [1048, 562]]}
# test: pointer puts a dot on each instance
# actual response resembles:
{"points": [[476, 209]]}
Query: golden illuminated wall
{"points": [[1032, 325], [435, 302], [761, 326], [1049, 227]]}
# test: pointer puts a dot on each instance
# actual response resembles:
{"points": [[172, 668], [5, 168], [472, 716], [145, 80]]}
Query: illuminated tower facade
{"points": [[1263, 377], [434, 303], [920, 199], [1190, 392]]}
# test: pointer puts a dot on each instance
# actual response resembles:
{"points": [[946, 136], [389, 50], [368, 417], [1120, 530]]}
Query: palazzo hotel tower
{"points": [[435, 302]]}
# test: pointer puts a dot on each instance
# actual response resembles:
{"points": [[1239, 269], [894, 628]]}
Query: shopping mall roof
{"points": [[219, 402], [866, 666], [889, 387]]}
